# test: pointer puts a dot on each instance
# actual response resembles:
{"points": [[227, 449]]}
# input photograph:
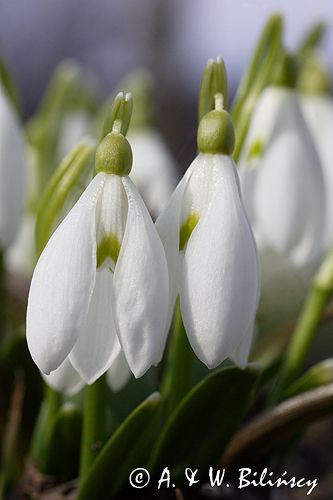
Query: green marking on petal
{"points": [[256, 149], [108, 247], [187, 228]]}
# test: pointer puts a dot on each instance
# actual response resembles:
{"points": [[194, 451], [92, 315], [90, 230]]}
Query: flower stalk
{"points": [[94, 423], [306, 328], [179, 368]]}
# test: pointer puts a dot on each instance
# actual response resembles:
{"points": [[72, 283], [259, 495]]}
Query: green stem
{"points": [[179, 368], [306, 328], [94, 424], [2, 295], [44, 426], [256, 78]]}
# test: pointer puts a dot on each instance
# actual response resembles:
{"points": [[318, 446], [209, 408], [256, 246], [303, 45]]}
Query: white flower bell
{"points": [[282, 179], [101, 284], [154, 171], [66, 380], [12, 171], [318, 112], [211, 251]]}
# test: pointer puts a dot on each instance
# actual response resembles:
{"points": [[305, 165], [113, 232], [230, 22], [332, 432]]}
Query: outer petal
{"points": [[241, 354], [153, 170], [290, 197], [265, 115], [63, 283], [141, 287], [220, 277], [74, 127], [318, 112], [119, 373], [20, 257], [64, 379], [168, 227], [98, 346], [12, 172]]}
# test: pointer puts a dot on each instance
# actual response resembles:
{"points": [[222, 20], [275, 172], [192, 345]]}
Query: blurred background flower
{"points": [[174, 39]]}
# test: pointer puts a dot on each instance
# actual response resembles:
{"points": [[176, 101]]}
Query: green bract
{"points": [[114, 155]]}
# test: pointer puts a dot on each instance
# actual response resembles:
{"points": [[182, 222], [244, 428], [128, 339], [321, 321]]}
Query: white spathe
{"points": [[318, 113], [217, 273], [154, 170], [12, 171], [87, 314]]}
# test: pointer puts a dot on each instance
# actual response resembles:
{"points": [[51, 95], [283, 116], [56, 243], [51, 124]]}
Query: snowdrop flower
{"points": [[101, 284], [154, 171], [283, 190], [318, 113], [75, 125], [12, 171], [66, 380], [282, 179], [210, 249]]}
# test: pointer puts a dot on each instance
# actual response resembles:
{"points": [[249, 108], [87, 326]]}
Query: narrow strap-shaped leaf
{"points": [[62, 459], [263, 434], [128, 448], [317, 375], [63, 181], [204, 422]]}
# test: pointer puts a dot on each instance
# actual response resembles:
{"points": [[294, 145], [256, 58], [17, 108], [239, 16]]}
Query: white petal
{"points": [[290, 196], [111, 213], [74, 126], [20, 256], [220, 277], [318, 112], [241, 354], [141, 287], [263, 121], [168, 226], [119, 373], [12, 172], [98, 345], [153, 171], [64, 379], [63, 283]]}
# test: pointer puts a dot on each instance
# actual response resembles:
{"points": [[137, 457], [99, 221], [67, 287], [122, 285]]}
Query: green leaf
{"points": [[128, 448], [64, 180], [317, 375], [206, 419], [265, 433], [62, 459]]}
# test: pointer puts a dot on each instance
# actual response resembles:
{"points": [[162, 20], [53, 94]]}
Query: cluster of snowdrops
{"points": [[90, 210]]}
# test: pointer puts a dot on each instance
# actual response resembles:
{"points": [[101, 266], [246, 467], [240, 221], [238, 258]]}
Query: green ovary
{"points": [[108, 247], [187, 228], [256, 149]]}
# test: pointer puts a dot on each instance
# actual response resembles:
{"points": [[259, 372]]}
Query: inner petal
{"points": [[111, 219], [196, 198]]}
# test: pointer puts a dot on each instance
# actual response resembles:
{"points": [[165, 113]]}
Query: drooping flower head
{"points": [[210, 249], [101, 284], [12, 171], [283, 189]]}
